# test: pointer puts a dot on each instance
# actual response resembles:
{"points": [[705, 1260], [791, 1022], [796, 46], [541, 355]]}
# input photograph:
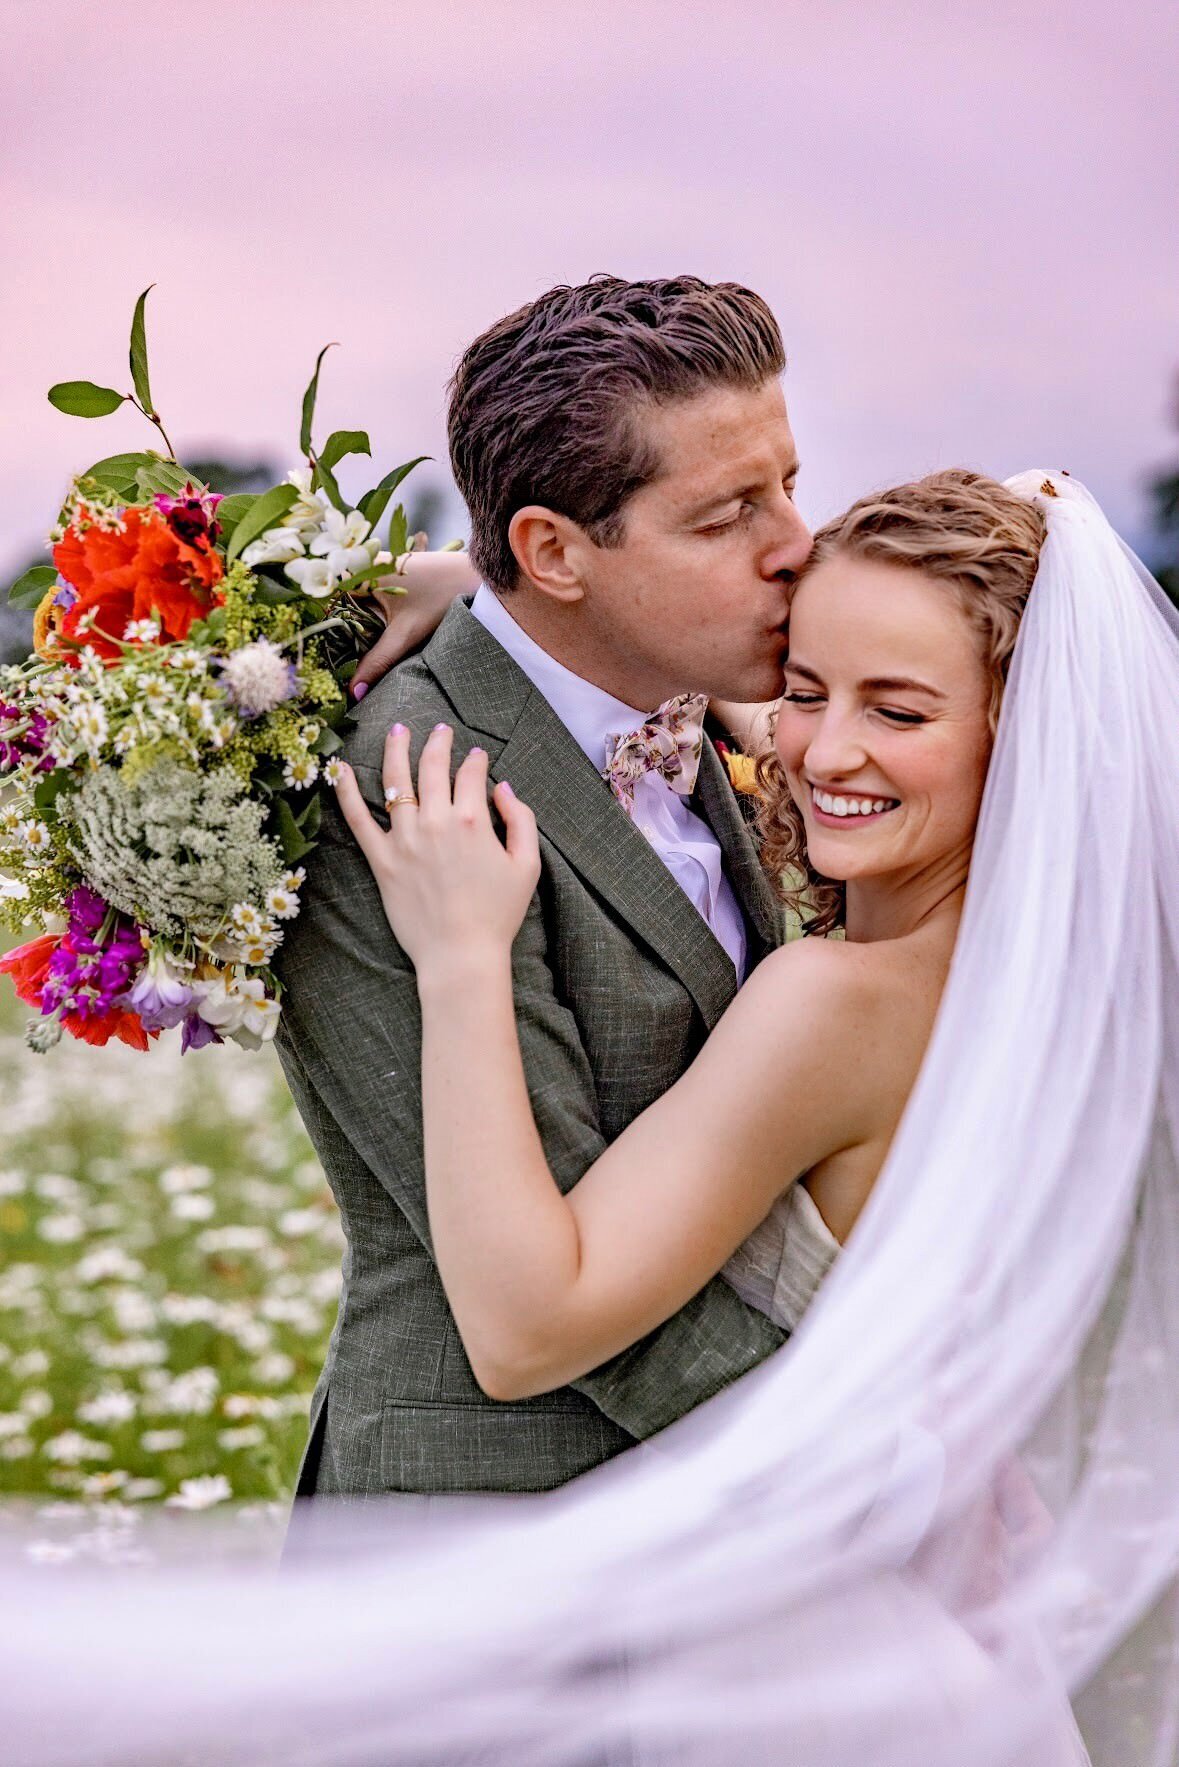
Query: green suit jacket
{"points": [[618, 980]]}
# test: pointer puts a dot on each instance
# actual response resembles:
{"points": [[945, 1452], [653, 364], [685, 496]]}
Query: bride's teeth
{"points": [[833, 806]]}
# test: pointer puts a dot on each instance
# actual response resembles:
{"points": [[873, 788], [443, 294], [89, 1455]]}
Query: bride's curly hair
{"points": [[983, 543]]}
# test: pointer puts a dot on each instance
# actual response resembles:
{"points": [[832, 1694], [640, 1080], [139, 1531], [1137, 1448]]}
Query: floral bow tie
{"points": [[669, 743]]}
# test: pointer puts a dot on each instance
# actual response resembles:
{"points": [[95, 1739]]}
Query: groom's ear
{"points": [[550, 551]]}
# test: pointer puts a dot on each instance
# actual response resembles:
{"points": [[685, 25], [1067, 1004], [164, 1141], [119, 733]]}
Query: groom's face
{"points": [[696, 594]]}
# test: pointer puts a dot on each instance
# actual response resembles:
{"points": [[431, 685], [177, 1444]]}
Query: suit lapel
{"points": [[575, 808], [716, 800]]}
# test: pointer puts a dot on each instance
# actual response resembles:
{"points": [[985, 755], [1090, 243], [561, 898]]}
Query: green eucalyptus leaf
{"points": [[164, 476], [325, 479], [276, 594], [309, 398], [230, 511], [342, 442], [48, 790], [309, 818], [266, 512], [375, 502], [398, 539], [29, 590], [288, 834], [81, 398], [363, 581], [139, 354], [117, 470]]}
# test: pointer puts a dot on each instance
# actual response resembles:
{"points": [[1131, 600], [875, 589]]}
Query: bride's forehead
{"points": [[848, 612]]}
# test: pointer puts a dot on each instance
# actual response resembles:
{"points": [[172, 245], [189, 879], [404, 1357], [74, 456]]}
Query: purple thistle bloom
{"points": [[66, 596]]}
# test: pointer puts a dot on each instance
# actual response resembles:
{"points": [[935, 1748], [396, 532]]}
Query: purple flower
{"points": [[86, 909], [196, 1033], [160, 996], [24, 736], [66, 596], [91, 970]]}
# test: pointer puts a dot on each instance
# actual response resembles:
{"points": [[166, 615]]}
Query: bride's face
{"points": [[883, 730]]}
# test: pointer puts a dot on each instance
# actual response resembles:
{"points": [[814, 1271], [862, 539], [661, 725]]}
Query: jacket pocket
{"points": [[490, 1447]]}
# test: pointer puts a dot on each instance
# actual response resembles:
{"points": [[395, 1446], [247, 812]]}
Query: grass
{"points": [[169, 1267]]}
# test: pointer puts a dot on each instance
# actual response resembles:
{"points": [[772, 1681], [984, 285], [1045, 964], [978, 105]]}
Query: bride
{"points": [[947, 1515], [764, 1153]]}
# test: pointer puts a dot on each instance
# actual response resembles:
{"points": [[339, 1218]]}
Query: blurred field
{"points": [[169, 1266]]}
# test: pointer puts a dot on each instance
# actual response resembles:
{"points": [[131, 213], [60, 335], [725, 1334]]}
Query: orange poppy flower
{"points": [[28, 966], [146, 571]]}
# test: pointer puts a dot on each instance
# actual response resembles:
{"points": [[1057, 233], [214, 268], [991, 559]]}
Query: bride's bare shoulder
{"points": [[843, 987]]}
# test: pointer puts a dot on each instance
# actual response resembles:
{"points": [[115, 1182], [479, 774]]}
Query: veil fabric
{"points": [[941, 1529]]}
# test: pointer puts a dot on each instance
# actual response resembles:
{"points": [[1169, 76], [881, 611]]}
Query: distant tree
{"points": [[232, 477], [1164, 493]]}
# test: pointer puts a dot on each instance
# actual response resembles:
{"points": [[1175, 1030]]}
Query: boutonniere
{"points": [[741, 769]]}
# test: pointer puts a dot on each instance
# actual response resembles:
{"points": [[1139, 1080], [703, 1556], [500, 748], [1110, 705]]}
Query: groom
{"points": [[625, 454]]}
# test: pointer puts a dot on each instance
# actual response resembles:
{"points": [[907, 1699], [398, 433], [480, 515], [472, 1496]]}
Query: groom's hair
{"points": [[546, 407]]}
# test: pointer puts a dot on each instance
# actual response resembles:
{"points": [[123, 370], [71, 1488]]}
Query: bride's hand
{"points": [[430, 581], [450, 887]]}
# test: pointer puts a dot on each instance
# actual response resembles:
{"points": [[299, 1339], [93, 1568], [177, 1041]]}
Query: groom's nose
{"points": [[791, 548]]}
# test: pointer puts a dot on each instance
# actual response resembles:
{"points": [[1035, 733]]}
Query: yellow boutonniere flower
{"points": [[742, 770]]}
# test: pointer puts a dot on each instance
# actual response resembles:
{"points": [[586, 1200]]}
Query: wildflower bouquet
{"points": [[160, 751]]}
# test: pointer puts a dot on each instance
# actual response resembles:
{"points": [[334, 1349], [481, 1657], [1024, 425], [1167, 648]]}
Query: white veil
{"points": [[946, 1510]]}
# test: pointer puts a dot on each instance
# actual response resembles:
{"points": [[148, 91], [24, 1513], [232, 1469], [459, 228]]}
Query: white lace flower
{"points": [[313, 575], [141, 631], [275, 546], [341, 541]]}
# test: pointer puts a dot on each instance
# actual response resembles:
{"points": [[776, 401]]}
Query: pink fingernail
{"points": [[477, 751], [400, 729], [442, 726], [359, 691], [505, 787]]}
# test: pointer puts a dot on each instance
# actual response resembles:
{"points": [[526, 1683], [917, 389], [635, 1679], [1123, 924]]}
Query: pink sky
{"points": [[965, 219]]}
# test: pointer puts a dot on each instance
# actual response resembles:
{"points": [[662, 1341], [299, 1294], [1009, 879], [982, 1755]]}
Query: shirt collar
{"points": [[592, 716]]}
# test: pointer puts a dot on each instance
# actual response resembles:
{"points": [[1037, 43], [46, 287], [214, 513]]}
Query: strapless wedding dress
{"points": [[780, 1266]]}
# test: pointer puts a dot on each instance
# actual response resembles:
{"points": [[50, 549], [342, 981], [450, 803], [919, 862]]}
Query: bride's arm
{"points": [[414, 601], [544, 1286]]}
